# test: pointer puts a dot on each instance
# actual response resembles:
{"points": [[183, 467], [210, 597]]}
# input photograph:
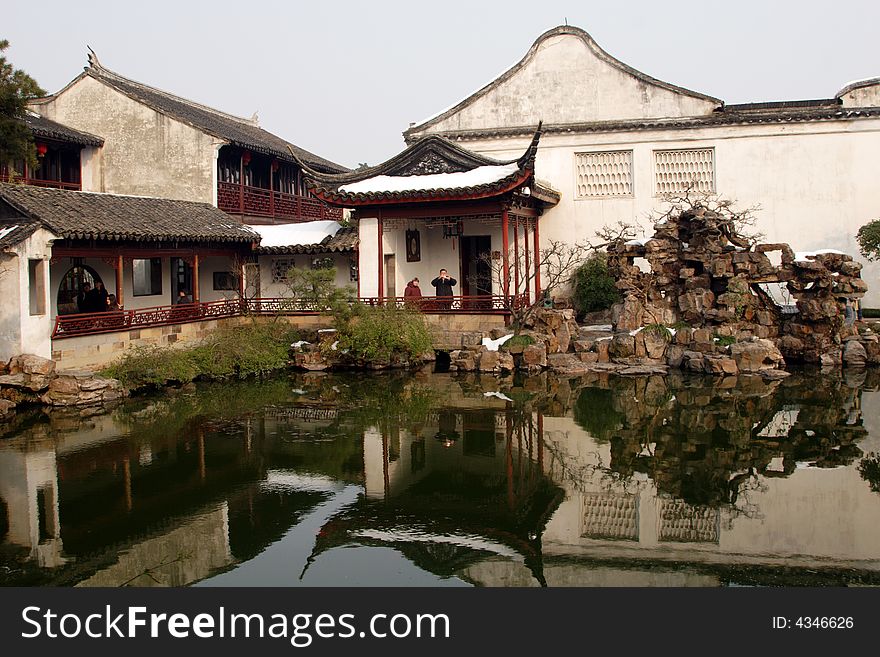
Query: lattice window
{"points": [[607, 515], [682, 522], [280, 267], [607, 173], [678, 171]]}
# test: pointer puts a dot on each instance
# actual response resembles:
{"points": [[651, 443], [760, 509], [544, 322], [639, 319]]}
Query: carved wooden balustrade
{"points": [[67, 326], [260, 202]]}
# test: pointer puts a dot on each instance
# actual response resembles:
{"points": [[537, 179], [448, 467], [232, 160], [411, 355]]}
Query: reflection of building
{"points": [[29, 488]]}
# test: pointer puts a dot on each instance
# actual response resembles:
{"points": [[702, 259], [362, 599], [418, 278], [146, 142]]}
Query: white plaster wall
{"points": [[21, 332], [566, 81], [145, 153], [268, 289], [815, 182], [11, 307], [368, 255], [91, 170]]}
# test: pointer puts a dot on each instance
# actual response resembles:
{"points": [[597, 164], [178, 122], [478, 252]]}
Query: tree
{"points": [[557, 263], [594, 287], [16, 89], [868, 238]]}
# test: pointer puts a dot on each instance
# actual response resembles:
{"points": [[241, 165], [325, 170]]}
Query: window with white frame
{"points": [[604, 173], [678, 171]]}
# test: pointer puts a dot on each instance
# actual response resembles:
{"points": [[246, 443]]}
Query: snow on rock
{"points": [[803, 256], [492, 345], [299, 344], [479, 176], [597, 328], [499, 395], [638, 242]]}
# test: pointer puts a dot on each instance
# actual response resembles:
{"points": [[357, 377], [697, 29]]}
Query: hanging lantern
{"points": [[452, 230], [42, 149], [246, 158]]}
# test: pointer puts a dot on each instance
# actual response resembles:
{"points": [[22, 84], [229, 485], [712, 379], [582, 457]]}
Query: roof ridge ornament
{"points": [[92, 56]]}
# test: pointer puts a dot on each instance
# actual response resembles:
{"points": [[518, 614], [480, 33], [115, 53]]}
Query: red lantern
{"points": [[41, 149], [246, 158]]}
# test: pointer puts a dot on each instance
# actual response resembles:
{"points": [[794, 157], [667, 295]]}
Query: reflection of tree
{"points": [[869, 469], [712, 442]]}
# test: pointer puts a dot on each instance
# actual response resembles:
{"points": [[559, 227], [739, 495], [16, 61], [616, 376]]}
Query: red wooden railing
{"points": [[259, 202], [68, 326], [38, 182]]}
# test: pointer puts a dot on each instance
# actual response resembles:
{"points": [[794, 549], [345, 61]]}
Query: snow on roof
{"points": [[5, 231], [479, 176], [310, 232], [803, 256]]}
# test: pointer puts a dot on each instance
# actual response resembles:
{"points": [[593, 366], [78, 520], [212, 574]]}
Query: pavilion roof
{"points": [[40, 126], [431, 169], [307, 237]]}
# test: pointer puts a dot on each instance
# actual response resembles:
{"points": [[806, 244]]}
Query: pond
{"points": [[441, 480]]}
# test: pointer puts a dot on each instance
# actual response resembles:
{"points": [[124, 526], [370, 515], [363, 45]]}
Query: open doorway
{"points": [[181, 279], [476, 270]]}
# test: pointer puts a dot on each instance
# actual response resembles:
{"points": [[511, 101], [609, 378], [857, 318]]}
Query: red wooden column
{"points": [[381, 259], [526, 245], [272, 189], [516, 256], [537, 263], [505, 246], [195, 276], [119, 286]]}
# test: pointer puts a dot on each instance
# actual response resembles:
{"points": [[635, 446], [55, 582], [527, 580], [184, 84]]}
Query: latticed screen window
{"points": [[678, 171], [608, 173]]}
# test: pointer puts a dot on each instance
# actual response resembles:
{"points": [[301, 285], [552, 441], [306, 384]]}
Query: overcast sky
{"points": [[344, 79]]}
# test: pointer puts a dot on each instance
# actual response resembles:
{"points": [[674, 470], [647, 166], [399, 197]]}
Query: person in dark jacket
{"points": [[82, 299], [96, 299], [443, 286], [412, 295]]}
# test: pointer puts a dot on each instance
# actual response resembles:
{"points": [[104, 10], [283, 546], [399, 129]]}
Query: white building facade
{"points": [[617, 143]]}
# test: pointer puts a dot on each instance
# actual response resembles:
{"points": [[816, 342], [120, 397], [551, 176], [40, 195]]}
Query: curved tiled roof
{"points": [[434, 160], [111, 217], [43, 127], [758, 113], [346, 239], [556, 31]]}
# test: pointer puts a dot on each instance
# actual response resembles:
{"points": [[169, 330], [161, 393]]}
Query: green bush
{"points": [[383, 333], [594, 287], [870, 313], [238, 351]]}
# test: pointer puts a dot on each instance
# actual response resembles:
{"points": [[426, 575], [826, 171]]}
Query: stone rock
{"points": [[583, 345], [854, 354], [73, 390], [588, 357], [831, 358], [312, 361], [505, 361], [535, 356], [563, 335], [675, 355], [566, 364], [655, 344], [720, 365], [693, 361], [622, 346], [643, 370], [628, 315], [603, 350], [6, 407], [756, 355], [30, 364], [472, 338], [13, 380]]}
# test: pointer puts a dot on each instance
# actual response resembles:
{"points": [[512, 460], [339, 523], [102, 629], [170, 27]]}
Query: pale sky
{"points": [[344, 79]]}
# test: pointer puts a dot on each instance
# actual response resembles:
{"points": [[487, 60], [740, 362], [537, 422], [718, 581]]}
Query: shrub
{"points": [[594, 287], [382, 333], [660, 331], [725, 340], [516, 341], [238, 351]]}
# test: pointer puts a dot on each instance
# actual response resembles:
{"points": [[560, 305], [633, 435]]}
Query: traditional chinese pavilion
{"points": [[436, 205]]}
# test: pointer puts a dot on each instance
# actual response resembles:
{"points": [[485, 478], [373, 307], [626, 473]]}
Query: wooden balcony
{"points": [[68, 326], [38, 182], [258, 202]]}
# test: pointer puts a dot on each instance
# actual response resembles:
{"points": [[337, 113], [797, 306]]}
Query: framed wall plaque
{"points": [[413, 246]]}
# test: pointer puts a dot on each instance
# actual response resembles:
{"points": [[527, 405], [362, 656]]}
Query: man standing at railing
{"points": [[443, 286]]}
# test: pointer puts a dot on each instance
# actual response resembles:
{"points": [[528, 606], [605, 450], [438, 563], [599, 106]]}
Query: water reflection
{"points": [[434, 479]]}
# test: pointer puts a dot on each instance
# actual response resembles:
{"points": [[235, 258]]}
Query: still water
{"points": [[433, 479]]}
